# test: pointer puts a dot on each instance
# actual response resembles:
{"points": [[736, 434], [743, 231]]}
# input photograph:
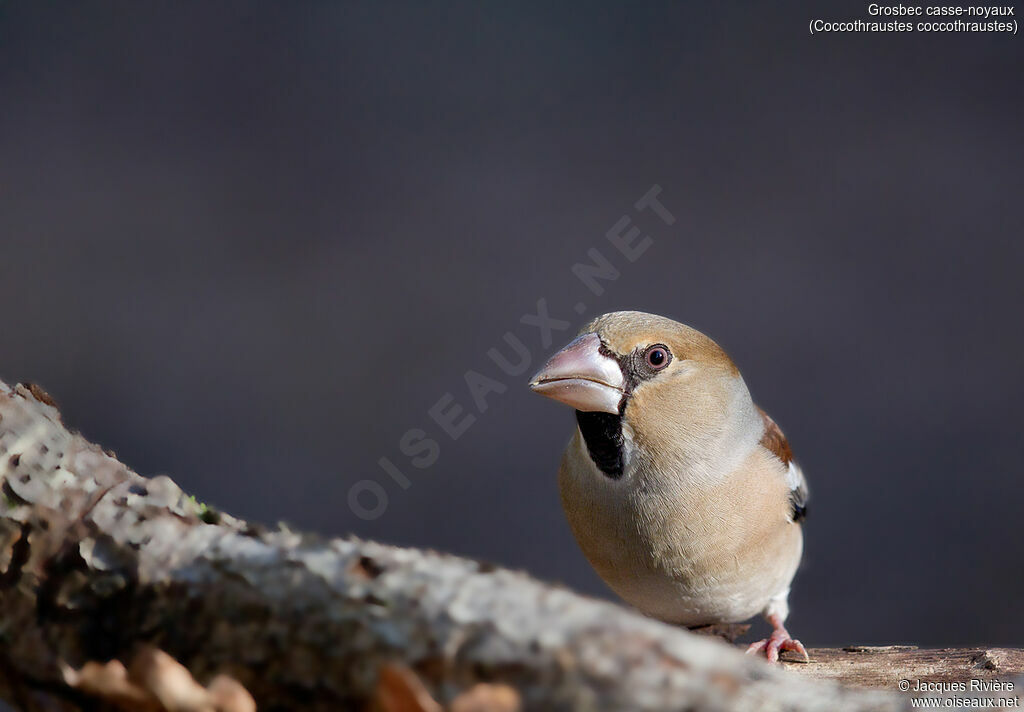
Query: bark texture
{"points": [[883, 666], [97, 562]]}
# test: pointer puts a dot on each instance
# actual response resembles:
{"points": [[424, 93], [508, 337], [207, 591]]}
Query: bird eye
{"points": [[657, 357]]}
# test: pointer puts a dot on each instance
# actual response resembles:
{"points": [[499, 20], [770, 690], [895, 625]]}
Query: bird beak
{"points": [[581, 376]]}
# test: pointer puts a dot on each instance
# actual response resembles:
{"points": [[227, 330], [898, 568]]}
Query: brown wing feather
{"points": [[775, 441]]}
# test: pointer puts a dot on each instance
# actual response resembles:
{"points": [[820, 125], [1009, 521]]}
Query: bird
{"points": [[681, 492]]}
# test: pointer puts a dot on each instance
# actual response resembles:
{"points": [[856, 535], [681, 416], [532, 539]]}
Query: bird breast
{"points": [[680, 548]]}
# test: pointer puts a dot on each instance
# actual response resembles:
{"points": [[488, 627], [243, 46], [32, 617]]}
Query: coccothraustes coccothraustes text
{"points": [[682, 493]]}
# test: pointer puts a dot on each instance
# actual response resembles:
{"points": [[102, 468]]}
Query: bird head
{"points": [[664, 387]]}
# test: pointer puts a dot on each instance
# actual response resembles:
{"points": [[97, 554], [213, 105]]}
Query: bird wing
{"points": [[775, 441]]}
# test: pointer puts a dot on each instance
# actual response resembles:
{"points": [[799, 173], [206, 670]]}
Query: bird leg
{"points": [[778, 641]]}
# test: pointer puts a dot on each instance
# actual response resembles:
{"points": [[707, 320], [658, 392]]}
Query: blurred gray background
{"points": [[250, 245]]}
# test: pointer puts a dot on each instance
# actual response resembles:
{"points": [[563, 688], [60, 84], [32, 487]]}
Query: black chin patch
{"points": [[603, 434]]}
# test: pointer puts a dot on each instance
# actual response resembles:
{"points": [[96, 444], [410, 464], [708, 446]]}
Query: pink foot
{"points": [[780, 640]]}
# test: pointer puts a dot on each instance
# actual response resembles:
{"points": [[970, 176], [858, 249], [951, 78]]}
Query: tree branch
{"points": [[97, 561], [883, 666]]}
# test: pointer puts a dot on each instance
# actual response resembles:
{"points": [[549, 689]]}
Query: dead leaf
{"points": [[399, 689], [109, 682], [156, 682], [169, 682], [484, 697], [228, 695]]}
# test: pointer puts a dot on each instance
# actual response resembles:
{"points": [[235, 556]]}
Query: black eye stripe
{"points": [[636, 369], [634, 366]]}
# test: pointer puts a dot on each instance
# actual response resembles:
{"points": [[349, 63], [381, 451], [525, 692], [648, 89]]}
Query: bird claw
{"points": [[779, 641]]}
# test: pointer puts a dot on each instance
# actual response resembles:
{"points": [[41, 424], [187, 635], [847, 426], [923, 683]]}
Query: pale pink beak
{"points": [[581, 376]]}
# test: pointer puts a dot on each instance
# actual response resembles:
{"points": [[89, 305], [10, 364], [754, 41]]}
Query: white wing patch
{"points": [[797, 490], [795, 476]]}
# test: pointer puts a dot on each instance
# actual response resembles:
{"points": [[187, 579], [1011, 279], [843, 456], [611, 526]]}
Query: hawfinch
{"points": [[681, 492]]}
